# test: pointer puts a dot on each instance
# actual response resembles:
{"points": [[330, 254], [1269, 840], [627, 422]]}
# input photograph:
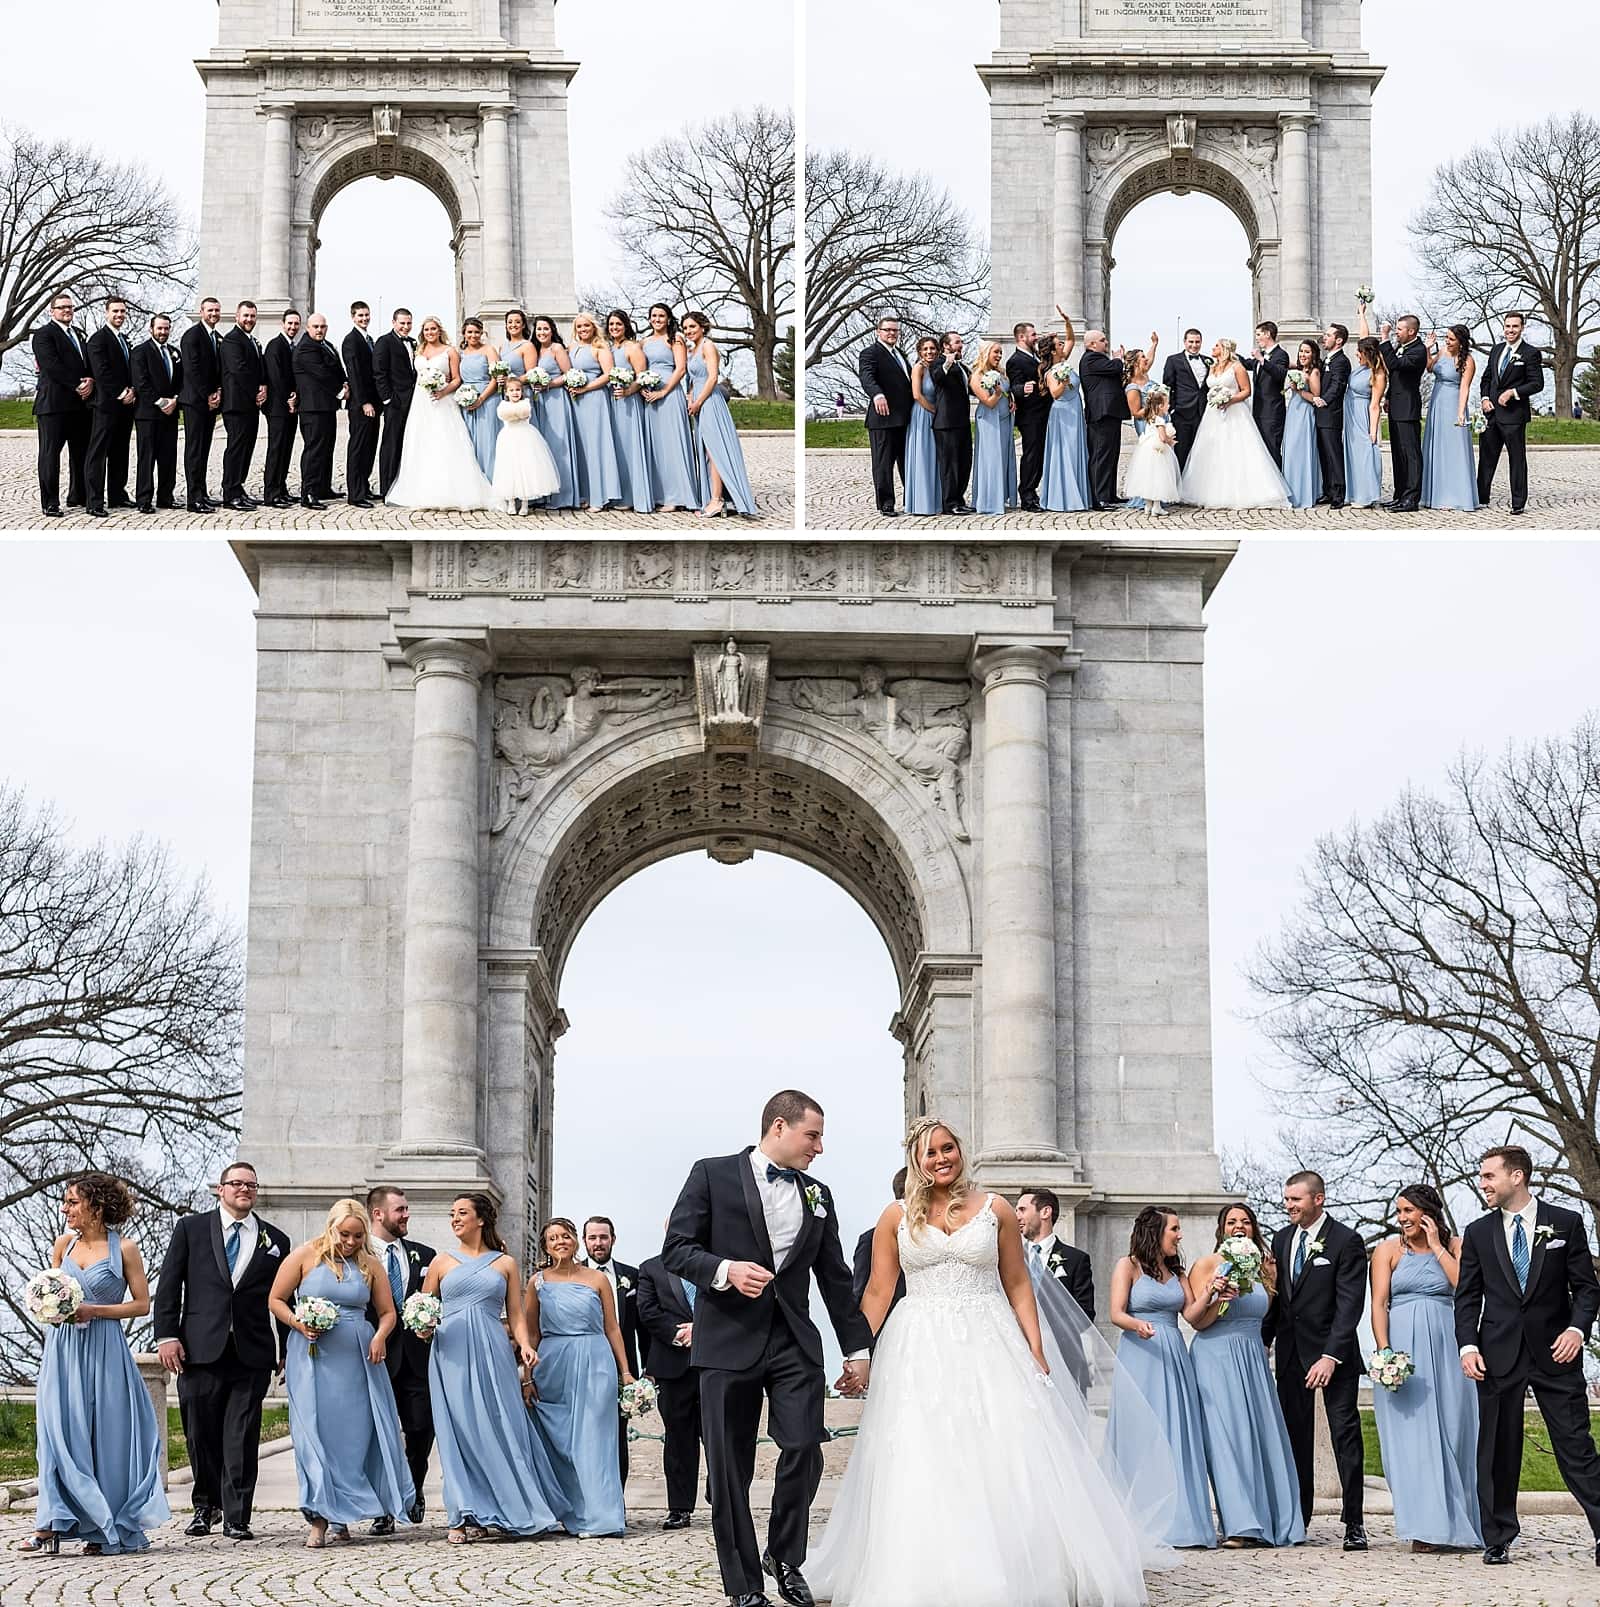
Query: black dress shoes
{"points": [[200, 1523], [1355, 1537], [192, 506], [677, 1520], [169, 506], [360, 502], [238, 505], [1516, 513], [313, 502], [280, 502], [54, 513], [1496, 1556], [1332, 504], [789, 1580], [237, 1531], [415, 1514], [145, 508], [97, 512], [887, 513], [381, 1526], [756, 1599]]}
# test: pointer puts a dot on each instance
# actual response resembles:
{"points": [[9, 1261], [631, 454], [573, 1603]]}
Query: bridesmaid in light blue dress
{"points": [[483, 422], [1363, 458], [1065, 487], [673, 480], [599, 470], [719, 459], [994, 457], [342, 1413], [1247, 1443], [1302, 468], [98, 1443], [553, 411], [921, 475], [518, 352], [1153, 1359], [1428, 1428], [496, 1473], [1137, 391], [628, 423], [1449, 473], [572, 1322]]}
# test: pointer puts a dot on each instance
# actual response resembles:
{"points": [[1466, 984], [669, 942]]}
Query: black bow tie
{"points": [[786, 1173]]}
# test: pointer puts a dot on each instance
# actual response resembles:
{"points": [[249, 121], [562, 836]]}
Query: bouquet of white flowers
{"points": [[539, 378], [467, 395], [1364, 295], [1297, 381], [620, 377], [52, 1297], [575, 379], [637, 1399], [421, 1315], [989, 381], [1217, 395], [433, 380], [499, 370], [650, 380], [1389, 1369], [1241, 1264], [1480, 423], [317, 1314], [1061, 373]]}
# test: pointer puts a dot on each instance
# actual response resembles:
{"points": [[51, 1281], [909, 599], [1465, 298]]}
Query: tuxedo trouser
{"points": [[953, 448], [316, 454], [1330, 454], [1187, 428], [414, 1407], [1339, 1402], [199, 424], [394, 440], [1405, 447], [1032, 425], [242, 430], [220, 1405], [1105, 447], [730, 1414], [107, 464], [1272, 434], [678, 1400], [1564, 1406], [156, 474], [1514, 438], [361, 452], [280, 448], [888, 455], [57, 430]]}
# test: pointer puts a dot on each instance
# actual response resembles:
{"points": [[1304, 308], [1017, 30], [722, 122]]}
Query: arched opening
{"points": [[389, 241]]}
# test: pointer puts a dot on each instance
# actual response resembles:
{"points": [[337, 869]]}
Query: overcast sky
{"points": [[1181, 260], [389, 241], [1336, 673]]}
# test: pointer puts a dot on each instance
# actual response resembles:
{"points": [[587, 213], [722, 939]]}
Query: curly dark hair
{"points": [[545, 1258], [489, 1216], [1431, 1203], [1144, 1244], [108, 1197], [1249, 1211]]}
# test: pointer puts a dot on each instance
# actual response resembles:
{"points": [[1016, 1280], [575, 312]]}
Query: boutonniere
{"points": [[1314, 1247], [416, 1260], [814, 1200], [1544, 1232], [623, 1283]]}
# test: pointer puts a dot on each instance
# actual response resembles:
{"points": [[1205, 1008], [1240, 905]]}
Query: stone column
{"points": [[277, 207], [439, 1054], [499, 210], [1296, 248], [1066, 221]]}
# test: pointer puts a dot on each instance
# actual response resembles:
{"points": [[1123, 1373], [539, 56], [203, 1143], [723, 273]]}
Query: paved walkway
{"points": [[1564, 494]]}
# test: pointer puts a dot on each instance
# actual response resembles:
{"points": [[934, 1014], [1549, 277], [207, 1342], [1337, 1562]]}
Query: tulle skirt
{"points": [[1230, 466], [438, 467]]}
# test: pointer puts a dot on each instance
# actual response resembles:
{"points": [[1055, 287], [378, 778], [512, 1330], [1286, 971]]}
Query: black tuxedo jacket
{"points": [[1524, 375], [1022, 368], [405, 1353], [244, 371], [1105, 395], [1070, 1267], [151, 382], [394, 371], [719, 1218], [861, 1274], [1335, 382], [62, 369], [202, 366], [627, 1310], [952, 395], [196, 1300], [113, 373], [318, 376], [1316, 1315], [662, 1310], [1499, 1318], [358, 367], [1268, 375], [882, 375], [278, 362], [1406, 368], [1188, 394]]}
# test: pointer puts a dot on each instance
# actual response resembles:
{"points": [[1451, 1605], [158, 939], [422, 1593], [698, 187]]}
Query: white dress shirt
{"points": [[1307, 1235], [1197, 366], [397, 1247], [1508, 1225], [249, 1233]]}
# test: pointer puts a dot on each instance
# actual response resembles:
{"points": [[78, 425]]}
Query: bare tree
{"points": [[1438, 991], [707, 220], [120, 1034], [880, 242], [1514, 225]]}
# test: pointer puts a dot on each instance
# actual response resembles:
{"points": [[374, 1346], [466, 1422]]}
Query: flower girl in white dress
{"points": [[524, 471], [1153, 468]]}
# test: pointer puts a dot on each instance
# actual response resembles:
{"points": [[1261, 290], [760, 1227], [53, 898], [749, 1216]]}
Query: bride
{"points": [[975, 1429], [1229, 464], [438, 468]]}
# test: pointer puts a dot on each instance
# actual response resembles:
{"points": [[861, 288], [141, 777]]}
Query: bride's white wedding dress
{"points": [[974, 1477], [438, 468], [1229, 465]]}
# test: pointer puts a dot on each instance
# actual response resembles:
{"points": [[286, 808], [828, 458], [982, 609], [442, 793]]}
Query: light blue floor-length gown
{"points": [[671, 450], [553, 415], [495, 1470], [1428, 1428], [717, 442], [922, 457], [342, 1416], [1363, 462], [994, 458], [1247, 1444], [631, 432], [575, 1415], [1160, 1369], [98, 1444], [483, 423], [1449, 473], [1065, 487], [599, 469], [1302, 469]]}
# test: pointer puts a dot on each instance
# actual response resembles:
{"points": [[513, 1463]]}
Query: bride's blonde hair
{"points": [[327, 1242], [1230, 348], [422, 331], [919, 1186]]}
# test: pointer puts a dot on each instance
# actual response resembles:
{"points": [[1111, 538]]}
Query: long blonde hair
{"points": [[327, 1245], [919, 1186], [988, 357], [1230, 349], [598, 343]]}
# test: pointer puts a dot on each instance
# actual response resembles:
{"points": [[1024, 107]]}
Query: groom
{"points": [[1185, 377], [748, 1231], [1526, 1299]]}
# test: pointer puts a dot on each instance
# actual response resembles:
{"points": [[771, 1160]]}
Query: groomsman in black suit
{"points": [[1512, 377], [886, 378], [244, 392], [1330, 414], [200, 399], [405, 1264], [1033, 412], [394, 374], [364, 406], [599, 1241], [1185, 377], [1406, 358], [61, 405], [1526, 1300], [952, 424], [1105, 406], [278, 360], [666, 1319], [214, 1331], [157, 378], [112, 400], [1037, 1213], [861, 1263], [1269, 372], [320, 385], [1322, 1288]]}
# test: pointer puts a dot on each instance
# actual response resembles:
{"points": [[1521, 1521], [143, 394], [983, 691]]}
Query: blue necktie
{"points": [[233, 1246], [166, 357], [1300, 1255], [1519, 1254], [689, 1292], [787, 1173], [397, 1280]]}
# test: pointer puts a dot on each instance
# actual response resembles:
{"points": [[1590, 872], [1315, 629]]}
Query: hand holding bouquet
{"points": [[637, 1399], [1241, 1264], [52, 1297], [421, 1315], [499, 370], [620, 377], [466, 396], [651, 381], [575, 379], [318, 1315], [1389, 1369]]}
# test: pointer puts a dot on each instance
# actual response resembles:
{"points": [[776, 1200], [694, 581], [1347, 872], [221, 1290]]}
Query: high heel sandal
{"points": [[41, 1542], [712, 512], [93, 1549]]}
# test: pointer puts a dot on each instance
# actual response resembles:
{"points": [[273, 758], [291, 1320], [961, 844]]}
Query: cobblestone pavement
{"points": [[1564, 494], [768, 458]]}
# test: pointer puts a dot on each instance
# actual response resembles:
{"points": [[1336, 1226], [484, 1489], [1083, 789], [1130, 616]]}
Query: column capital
{"points": [[1075, 120], [995, 659], [276, 108], [449, 655], [501, 111], [1302, 122]]}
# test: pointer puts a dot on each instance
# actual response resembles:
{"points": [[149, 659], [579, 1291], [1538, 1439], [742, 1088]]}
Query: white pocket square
{"points": [[1321, 1261], [272, 1249], [1555, 1244]]}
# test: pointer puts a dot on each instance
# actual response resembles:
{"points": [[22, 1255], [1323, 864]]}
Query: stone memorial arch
{"points": [[1263, 104], [465, 97], [463, 746]]}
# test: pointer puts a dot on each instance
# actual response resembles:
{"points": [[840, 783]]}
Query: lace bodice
{"points": [[955, 1269], [1223, 382]]}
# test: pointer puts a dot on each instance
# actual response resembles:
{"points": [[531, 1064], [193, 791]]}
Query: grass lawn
{"points": [[750, 414], [1539, 1471], [16, 414]]}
